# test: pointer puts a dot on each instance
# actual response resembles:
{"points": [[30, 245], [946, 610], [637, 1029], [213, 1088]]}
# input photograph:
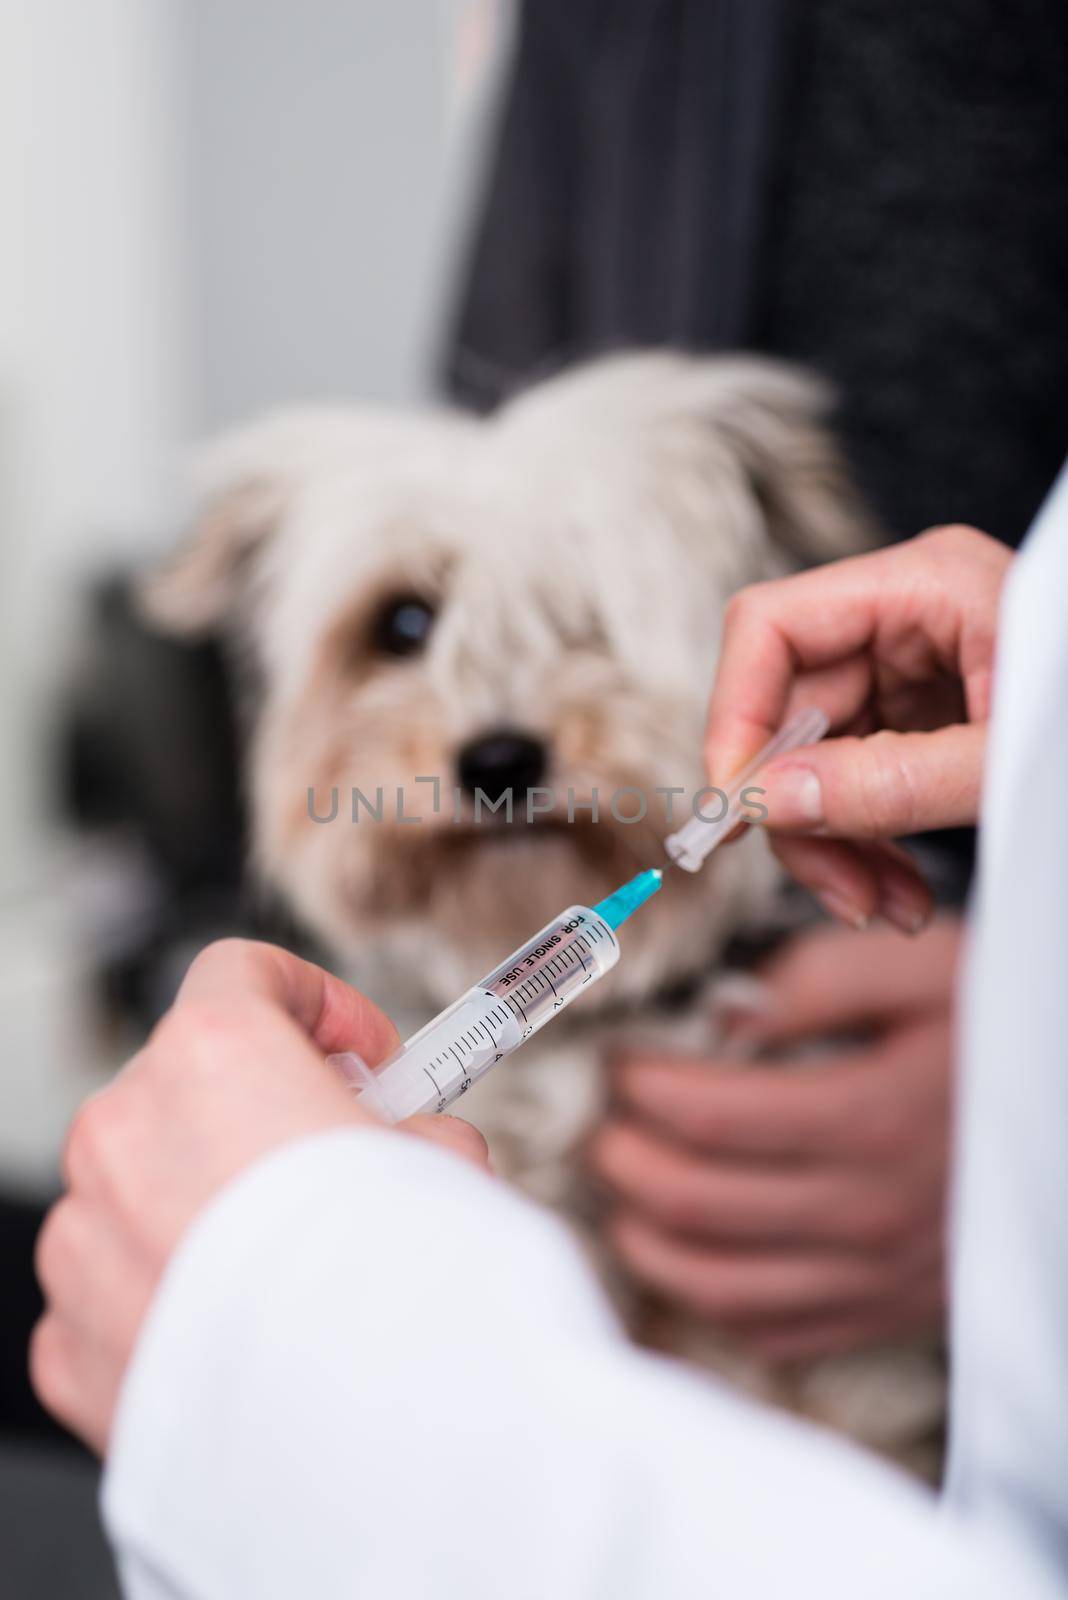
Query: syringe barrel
{"points": [[496, 1016]]}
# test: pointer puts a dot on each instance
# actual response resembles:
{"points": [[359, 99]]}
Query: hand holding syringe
{"points": [[542, 977]]}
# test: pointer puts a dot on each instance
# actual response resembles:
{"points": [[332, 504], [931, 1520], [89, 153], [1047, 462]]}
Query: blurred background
{"points": [[210, 207], [205, 209]]}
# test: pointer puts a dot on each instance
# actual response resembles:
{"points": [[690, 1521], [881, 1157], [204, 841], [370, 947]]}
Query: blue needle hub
{"points": [[623, 902]]}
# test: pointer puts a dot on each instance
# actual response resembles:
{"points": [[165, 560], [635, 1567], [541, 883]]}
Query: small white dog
{"points": [[531, 600]]}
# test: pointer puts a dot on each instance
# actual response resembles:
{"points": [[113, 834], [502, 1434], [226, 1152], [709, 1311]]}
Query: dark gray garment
{"points": [[876, 189], [625, 201], [52, 1546]]}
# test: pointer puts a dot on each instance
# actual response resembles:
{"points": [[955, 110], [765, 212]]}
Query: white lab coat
{"points": [[372, 1371]]}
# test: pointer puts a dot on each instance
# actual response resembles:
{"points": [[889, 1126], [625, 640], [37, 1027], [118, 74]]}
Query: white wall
{"points": [[94, 376], [94, 404], [206, 207], [331, 146]]}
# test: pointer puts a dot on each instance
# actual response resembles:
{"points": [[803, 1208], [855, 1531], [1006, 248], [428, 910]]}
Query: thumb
{"points": [[878, 787]]}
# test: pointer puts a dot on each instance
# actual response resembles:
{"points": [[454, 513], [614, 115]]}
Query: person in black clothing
{"points": [[871, 188], [875, 190]]}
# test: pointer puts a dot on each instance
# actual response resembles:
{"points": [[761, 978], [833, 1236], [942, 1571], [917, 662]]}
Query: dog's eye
{"points": [[401, 625]]}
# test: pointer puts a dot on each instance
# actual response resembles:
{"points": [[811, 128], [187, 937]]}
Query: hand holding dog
{"points": [[898, 648], [234, 1071], [801, 1207]]}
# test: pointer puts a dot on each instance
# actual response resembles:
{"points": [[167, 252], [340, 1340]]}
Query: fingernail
{"points": [[905, 911], [793, 797], [843, 909]]}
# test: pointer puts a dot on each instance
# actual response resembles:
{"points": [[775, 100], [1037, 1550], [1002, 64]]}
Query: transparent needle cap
{"points": [[691, 845]]}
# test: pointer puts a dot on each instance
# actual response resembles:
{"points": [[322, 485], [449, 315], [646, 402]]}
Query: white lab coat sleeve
{"points": [[1009, 1410], [371, 1370]]}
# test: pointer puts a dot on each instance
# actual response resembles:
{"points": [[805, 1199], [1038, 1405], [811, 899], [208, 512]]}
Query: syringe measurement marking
{"points": [[560, 964], [581, 939], [465, 1046], [564, 962], [506, 1010]]}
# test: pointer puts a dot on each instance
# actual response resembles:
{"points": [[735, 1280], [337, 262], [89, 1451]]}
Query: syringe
{"points": [[536, 982], [441, 1062]]}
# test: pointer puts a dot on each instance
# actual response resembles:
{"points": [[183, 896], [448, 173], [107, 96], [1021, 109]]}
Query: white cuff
{"points": [[337, 1283]]}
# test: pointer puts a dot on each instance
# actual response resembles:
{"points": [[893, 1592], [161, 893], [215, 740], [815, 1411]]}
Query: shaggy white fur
{"points": [[577, 550]]}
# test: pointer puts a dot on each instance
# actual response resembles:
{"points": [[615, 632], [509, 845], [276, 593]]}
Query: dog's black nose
{"points": [[500, 760]]}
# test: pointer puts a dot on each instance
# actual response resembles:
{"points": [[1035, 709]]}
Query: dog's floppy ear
{"points": [[244, 484], [775, 417], [195, 592]]}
